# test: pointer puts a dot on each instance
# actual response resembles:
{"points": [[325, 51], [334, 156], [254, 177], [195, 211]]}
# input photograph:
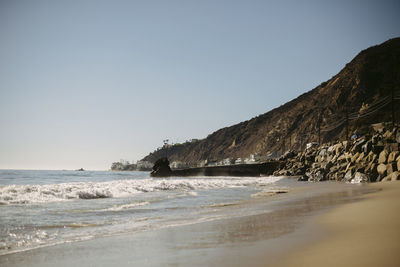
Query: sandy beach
{"points": [[364, 233]]}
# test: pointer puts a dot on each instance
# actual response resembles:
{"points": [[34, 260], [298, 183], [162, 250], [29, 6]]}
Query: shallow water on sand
{"points": [[231, 225], [44, 208]]}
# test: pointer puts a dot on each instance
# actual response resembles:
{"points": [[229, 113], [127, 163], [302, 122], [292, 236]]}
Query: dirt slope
{"points": [[367, 80]]}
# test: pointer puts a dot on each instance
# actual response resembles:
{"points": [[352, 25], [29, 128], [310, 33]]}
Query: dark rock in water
{"points": [[80, 170], [161, 168]]}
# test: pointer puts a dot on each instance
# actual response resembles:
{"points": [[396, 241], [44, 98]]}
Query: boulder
{"points": [[392, 156], [371, 171], [339, 148], [328, 165], [381, 169], [392, 177], [367, 147], [334, 169], [358, 146], [343, 166], [339, 175], [322, 152], [395, 176], [354, 157], [370, 166], [388, 135], [360, 157], [346, 145], [348, 176], [161, 168], [376, 138], [310, 157], [342, 158], [349, 166], [392, 147], [332, 150], [286, 173], [330, 176], [289, 154], [378, 127], [328, 158], [315, 165], [391, 167], [316, 175], [370, 157], [359, 178], [334, 159], [398, 163], [383, 157], [301, 170]]}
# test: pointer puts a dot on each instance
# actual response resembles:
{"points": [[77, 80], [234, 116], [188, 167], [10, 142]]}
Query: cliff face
{"points": [[360, 92]]}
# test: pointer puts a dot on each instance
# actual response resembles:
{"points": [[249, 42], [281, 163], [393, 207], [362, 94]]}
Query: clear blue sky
{"points": [[86, 83]]}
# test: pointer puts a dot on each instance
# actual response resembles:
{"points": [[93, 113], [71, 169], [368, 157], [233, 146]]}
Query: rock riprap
{"points": [[369, 158]]}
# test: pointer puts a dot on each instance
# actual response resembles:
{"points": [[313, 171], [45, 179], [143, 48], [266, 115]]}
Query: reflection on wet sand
{"points": [[229, 232]]}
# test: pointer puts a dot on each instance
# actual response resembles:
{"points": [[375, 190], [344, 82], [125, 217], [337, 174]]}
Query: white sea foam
{"points": [[23, 194], [24, 239], [127, 206]]}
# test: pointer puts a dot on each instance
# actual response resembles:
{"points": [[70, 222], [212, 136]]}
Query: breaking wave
{"points": [[25, 194]]}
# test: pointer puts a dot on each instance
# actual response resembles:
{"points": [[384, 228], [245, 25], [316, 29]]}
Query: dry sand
{"points": [[364, 233]]}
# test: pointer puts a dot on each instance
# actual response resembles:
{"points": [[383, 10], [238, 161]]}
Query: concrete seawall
{"points": [[266, 168]]}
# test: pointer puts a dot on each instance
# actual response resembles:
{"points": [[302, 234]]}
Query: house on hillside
{"points": [[178, 165]]}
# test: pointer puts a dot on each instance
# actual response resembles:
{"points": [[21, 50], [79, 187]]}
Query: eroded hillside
{"points": [[360, 94]]}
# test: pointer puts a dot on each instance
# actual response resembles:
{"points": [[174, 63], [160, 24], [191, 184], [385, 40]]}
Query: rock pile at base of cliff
{"points": [[369, 158]]}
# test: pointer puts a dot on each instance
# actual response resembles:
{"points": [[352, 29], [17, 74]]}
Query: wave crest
{"points": [[23, 194]]}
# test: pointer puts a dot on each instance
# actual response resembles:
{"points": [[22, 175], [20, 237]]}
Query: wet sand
{"points": [[365, 233], [280, 224]]}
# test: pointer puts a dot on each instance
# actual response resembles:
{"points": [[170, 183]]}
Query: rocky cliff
{"points": [[360, 94]]}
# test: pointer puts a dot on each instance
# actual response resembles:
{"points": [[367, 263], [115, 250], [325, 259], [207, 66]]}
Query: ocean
{"points": [[103, 218], [46, 208]]}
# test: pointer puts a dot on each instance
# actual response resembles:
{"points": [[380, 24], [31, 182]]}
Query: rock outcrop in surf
{"points": [[161, 168]]}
